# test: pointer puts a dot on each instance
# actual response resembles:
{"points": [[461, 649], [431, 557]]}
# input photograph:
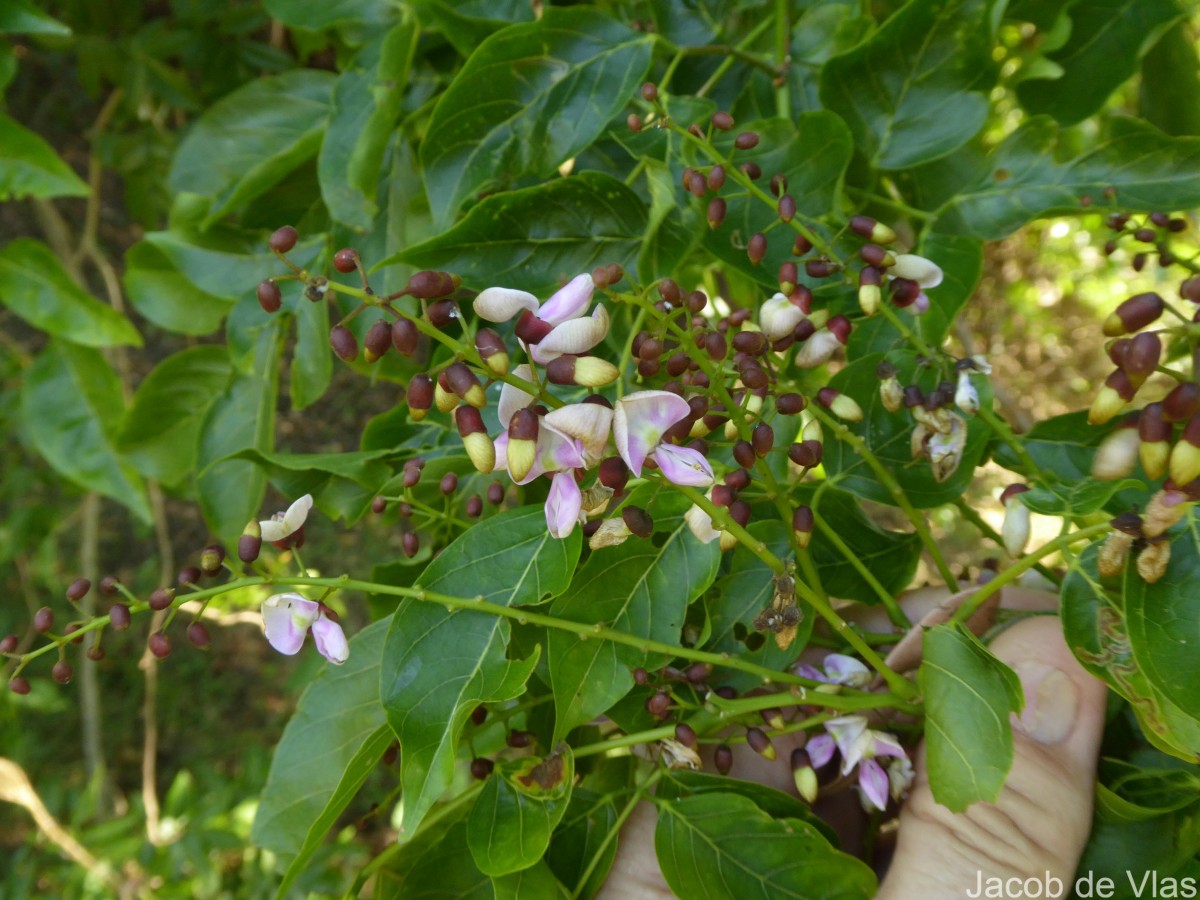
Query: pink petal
{"points": [[497, 304], [588, 423], [563, 505], [812, 673], [572, 336], [556, 452], [569, 301], [683, 465], [846, 670], [850, 734], [820, 749], [639, 421], [330, 640], [874, 784], [286, 619], [916, 268], [283, 525], [779, 317], [884, 744]]}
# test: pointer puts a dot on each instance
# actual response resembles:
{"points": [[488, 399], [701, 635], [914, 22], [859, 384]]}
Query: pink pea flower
{"points": [[286, 529], [639, 421], [559, 324], [287, 618], [862, 747]]}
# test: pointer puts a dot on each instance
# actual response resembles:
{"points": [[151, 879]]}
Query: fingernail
{"points": [[1051, 702]]}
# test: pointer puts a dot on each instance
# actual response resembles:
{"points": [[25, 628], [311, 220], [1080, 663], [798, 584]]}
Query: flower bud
{"points": [[377, 342], [586, 371], [189, 576], [346, 260], [762, 439], [1182, 403], [1154, 448], [1141, 357], [723, 758], [756, 248], [410, 543], [62, 672], [428, 285], [78, 589], [747, 140], [966, 397], [522, 443], [638, 521], [284, 239], [876, 256], [865, 226], [841, 405], [480, 449], [1153, 560], [419, 396], [1134, 314], [803, 523], [159, 644], [405, 336], [804, 775], [806, 454], [634, 122], [211, 559], [1185, 455], [758, 741], [462, 381], [344, 343], [119, 616], [1117, 454], [316, 288], [161, 598], [658, 704], [870, 291], [1015, 530], [787, 208], [1111, 399], [198, 636], [43, 620], [819, 268], [269, 297]]}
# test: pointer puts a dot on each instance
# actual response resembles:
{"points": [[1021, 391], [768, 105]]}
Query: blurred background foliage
{"points": [[99, 97]]}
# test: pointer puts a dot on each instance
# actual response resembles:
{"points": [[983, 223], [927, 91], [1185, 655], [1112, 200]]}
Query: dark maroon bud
{"points": [[800, 759], [419, 395], [697, 185], [696, 301], [678, 364], [651, 348], [649, 92], [738, 316], [1152, 427], [750, 342], [699, 380], [698, 673], [738, 479], [474, 508], [412, 475], [481, 768], [198, 636], [739, 511], [378, 341], [715, 345], [609, 275], [756, 249], [449, 483], [743, 452], [758, 741], [346, 260], [722, 121], [1134, 314], [95, 654], [1146, 235], [802, 520], [658, 703], [787, 208], [211, 559], [778, 184], [1139, 262], [108, 585], [751, 170], [119, 616], [819, 268], [62, 672], [905, 291], [648, 368], [840, 327], [160, 645], [641, 676], [1118, 350], [773, 717], [519, 739], [495, 493], [685, 734], [1182, 403], [441, 313], [269, 296], [344, 343], [638, 521], [71, 629], [429, 285], [747, 140], [468, 421], [1190, 289], [669, 291], [715, 215], [873, 255], [390, 754], [405, 337], [78, 589], [913, 397], [634, 122], [162, 598], [9, 644], [716, 178], [1166, 258], [1110, 247], [1117, 221], [479, 715], [464, 384], [379, 505], [806, 454], [410, 543], [1121, 385], [404, 510], [755, 377], [801, 246], [1127, 522], [19, 685], [530, 328], [696, 131], [686, 178], [284, 239], [723, 494], [723, 759], [762, 439], [863, 226], [43, 619], [1142, 357], [790, 404], [590, 527]]}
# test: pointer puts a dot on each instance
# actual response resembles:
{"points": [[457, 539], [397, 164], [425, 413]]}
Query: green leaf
{"points": [[251, 139], [741, 594], [667, 242], [243, 417], [536, 881], [722, 846], [1108, 39], [312, 363], [641, 588], [71, 408], [1023, 179], [1169, 90], [342, 484], [521, 804], [968, 696], [917, 88], [537, 238], [1078, 498], [529, 98], [31, 168], [584, 829], [467, 23], [888, 437], [162, 426], [35, 286], [329, 747], [813, 151], [161, 293], [436, 866], [317, 15], [439, 665], [366, 102], [18, 17]]}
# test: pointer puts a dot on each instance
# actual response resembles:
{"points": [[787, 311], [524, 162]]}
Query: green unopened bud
{"points": [[841, 405], [804, 775]]}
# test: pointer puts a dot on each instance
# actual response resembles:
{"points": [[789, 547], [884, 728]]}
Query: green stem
{"points": [[1013, 572], [968, 513], [783, 97], [895, 613], [727, 63], [640, 791]]}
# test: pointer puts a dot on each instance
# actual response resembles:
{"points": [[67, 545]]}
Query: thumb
{"points": [[1039, 824]]}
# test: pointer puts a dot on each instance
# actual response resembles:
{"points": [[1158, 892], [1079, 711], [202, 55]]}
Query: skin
{"points": [[1039, 823]]}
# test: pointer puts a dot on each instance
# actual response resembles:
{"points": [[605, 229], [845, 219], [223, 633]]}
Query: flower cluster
{"points": [[862, 747]]}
